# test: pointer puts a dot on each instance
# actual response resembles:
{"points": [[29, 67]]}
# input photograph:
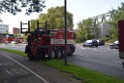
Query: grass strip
{"points": [[83, 74], [13, 51]]}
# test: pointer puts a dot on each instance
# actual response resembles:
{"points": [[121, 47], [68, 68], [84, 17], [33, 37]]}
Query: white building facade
{"points": [[104, 29], [4, 28]]}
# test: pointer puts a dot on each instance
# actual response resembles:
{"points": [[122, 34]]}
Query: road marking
{"points": [[25, 68], [7, 71]]}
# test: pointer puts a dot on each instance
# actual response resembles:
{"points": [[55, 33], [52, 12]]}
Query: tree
{"points": [[14, 6], [84, 31], [33, 24], [116, 14], [55, 18]]}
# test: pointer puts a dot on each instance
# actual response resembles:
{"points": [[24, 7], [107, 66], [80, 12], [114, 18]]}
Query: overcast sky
{"points": [[81, 9]]}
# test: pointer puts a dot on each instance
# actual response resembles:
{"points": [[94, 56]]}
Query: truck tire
{"points": [[59, 53], [29, 54], [52, 54]]}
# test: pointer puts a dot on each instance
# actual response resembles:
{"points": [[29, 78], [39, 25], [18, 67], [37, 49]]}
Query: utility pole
{"points": [[65, 24]]}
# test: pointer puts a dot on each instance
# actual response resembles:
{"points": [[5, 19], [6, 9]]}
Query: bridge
{"points": [[101, 27], [102, 17]]}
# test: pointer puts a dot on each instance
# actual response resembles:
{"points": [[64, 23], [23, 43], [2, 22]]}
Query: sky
{"points": [[81, 9]]}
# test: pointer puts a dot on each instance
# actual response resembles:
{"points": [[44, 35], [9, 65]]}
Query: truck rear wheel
{"points": [[59, 53], [52, 54], [29, 54]]}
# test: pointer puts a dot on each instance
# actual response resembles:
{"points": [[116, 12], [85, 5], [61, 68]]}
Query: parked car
{"points": [[100, 42], [114, 45], [90, 43], [24, 42], [13, 42]]}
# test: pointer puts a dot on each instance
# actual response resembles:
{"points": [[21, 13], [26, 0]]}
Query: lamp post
{"points": [[65, 23]]}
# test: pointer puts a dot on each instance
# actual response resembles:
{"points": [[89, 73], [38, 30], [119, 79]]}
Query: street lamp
{"points": [[65, 23]]}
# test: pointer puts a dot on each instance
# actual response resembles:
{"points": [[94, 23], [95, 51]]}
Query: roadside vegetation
{"points": [[89, 28], [80, 73]]}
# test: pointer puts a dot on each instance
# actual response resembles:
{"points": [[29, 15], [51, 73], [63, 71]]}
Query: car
{"points": [[13, 42], [115, 45], [90, 43], [24, 42], [100, 42]]}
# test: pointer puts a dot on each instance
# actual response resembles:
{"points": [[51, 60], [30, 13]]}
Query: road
{"points": [[13, 71], [102, 59], [18, 69]]}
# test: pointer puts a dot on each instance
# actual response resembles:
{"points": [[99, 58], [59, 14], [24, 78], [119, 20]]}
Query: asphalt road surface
{"points": [[101, 59], [12, 71], [18, 69]]}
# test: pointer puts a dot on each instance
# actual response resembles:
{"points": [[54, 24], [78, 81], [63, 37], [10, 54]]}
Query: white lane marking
{"points": [[25, 67], [7, 71]]}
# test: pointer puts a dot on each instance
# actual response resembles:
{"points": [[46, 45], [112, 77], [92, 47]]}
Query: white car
{"points": [[13, 42], [90, 43], [114, 45]]}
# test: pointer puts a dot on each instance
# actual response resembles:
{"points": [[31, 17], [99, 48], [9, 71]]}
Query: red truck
{"points": [[48, 43], [121, 39]]}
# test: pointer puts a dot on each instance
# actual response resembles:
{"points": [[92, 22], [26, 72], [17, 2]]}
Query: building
{"points": [[4, 28], [16, 30], [104, 29], [101, 30]]}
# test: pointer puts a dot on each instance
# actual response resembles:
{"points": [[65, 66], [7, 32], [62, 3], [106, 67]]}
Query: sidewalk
{"points": [[50, 74]]}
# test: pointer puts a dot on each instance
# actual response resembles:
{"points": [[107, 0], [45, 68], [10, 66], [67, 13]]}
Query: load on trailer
{"points": [[48, 43]]}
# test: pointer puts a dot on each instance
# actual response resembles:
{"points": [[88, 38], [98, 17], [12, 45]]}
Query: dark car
{"points": [[114, 45], [90, 43], [100, 42]]}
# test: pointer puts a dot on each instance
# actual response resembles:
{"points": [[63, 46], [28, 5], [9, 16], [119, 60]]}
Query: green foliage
{"points": [[33, 24], [14, 6], [117, 14], [85, 27], [13, 51], [55, 18], [83, 74], [84, 30]]}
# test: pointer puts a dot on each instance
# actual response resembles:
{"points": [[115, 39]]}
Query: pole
{"points": [[65, 23]]}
